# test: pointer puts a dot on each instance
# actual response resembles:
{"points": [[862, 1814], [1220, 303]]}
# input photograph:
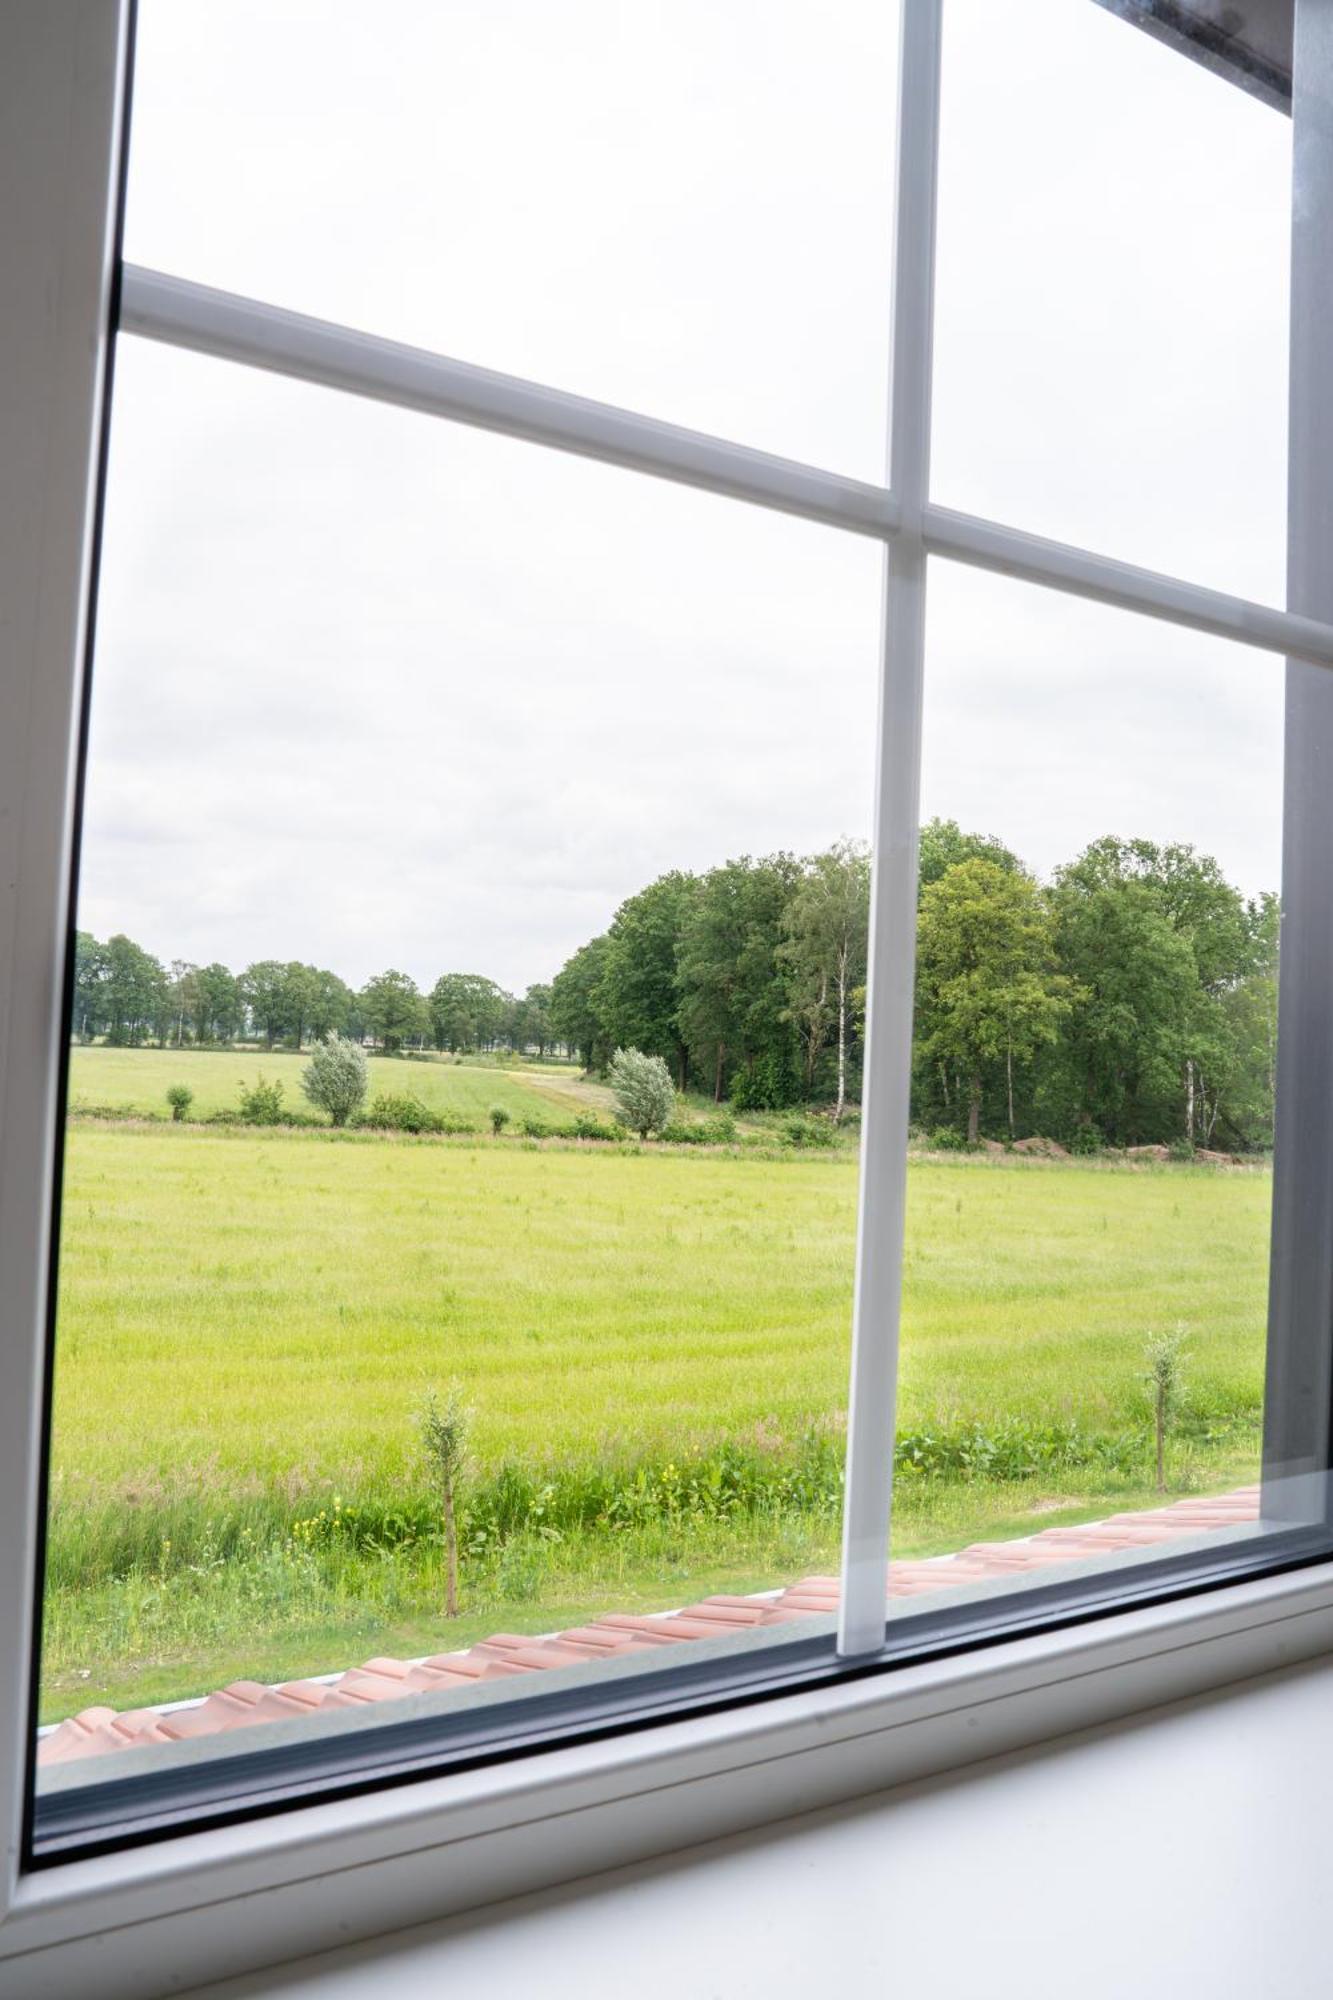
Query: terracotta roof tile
{"points": [[98, 1731]]}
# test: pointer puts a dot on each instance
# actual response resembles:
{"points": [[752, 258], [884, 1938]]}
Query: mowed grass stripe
{"points": [[137, 1080]]}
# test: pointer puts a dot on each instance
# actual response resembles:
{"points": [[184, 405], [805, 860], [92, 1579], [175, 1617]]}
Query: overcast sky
{"points": [[375, 690]]}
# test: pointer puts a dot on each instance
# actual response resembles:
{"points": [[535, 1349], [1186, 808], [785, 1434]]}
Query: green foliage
{"points": [[536, 1128], [948, 1139], [643, 1090], [733, 1009], [445, 1429], [261, 1102], [575, 1008], [336, 1077], [123, 989], [400, 1111], [637, 991], [1086, 1141], [988, 989], [588, 1126], [394, 1011], [943, 845], [805, 1132], [1164, 1354], [768, 1082], [1181, 1151], [467, 1011], [499, 1118], [825, 926], [180, 1097]]}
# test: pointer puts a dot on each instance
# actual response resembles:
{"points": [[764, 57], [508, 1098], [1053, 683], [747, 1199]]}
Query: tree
{"points": [[300, 993], [733, 1008], [575, 1005], [466, 1011], [1168, 945], [133, 991], [826, 926], [329, 1004], [638, 992], [943, 844], [264, 992], [336, 1077], [644, 1093], [393, 1010], [216, 1006], [989, 989], [1121, 1057], [530, 1020], [181, 998], [90, 974]]}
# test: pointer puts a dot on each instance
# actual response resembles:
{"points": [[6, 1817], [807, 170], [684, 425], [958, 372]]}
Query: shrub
{"points": [[180, 1097], [644, 1093], [1087, 1140], [399, 1111], [261, 1103], [335, 1077], [807, 1132], [535, 1128], [944, 1139], [769, 1083], [679, 1134], [1182, 1151], [717, 1131], [499, 1119], [586, 1126]]}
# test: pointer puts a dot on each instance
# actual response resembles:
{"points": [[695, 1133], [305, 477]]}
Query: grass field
{"points": [[138, 1080], [247, 1321]]}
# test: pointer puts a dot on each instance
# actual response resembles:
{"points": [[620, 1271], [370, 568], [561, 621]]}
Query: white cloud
{"points": [[374, 690]]}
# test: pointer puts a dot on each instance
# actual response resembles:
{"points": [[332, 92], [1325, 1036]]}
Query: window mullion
{"points": [[888, 1060], [180, 313]]}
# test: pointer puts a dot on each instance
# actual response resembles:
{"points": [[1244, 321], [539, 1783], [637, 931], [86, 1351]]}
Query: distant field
{"points": [[138, 1080], [247, 1321]]}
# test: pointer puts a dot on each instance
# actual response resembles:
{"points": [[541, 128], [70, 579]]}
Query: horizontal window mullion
{"points": [[257, 335], [1012, 552], [181, 314]]}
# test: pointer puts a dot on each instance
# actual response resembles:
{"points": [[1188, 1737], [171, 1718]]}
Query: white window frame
{"points": [[160, 1918]]}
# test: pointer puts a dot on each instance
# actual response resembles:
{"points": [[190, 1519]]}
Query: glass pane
{"points": [[681, 209], [373, 692], [1112, 294], [1090, 1182]]}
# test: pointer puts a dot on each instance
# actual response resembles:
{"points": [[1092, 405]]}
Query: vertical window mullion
{"points": [[888, 1062], [1298, 1390]]}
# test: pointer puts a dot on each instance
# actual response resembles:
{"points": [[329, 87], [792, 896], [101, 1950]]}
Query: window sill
{"points": [[162, 1919]]}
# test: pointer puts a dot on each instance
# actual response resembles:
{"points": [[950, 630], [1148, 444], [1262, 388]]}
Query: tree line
{"points": [[127, 997], [1130, 1000]]}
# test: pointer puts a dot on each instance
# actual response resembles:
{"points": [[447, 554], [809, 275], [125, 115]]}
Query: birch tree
{"points": [[826, 924]]}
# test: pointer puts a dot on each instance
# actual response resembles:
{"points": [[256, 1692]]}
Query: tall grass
{"points": [[656, 1344]]}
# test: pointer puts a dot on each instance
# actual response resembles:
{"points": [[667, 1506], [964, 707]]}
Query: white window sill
{"points": [[165, 1918], [1174, 1854]]}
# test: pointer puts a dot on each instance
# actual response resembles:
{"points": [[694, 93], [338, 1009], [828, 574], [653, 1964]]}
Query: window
{"points": [[392, 618]]}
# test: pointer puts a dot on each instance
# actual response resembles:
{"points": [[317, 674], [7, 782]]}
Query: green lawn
{"points": [[138, 1080], [247, 1321]]}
